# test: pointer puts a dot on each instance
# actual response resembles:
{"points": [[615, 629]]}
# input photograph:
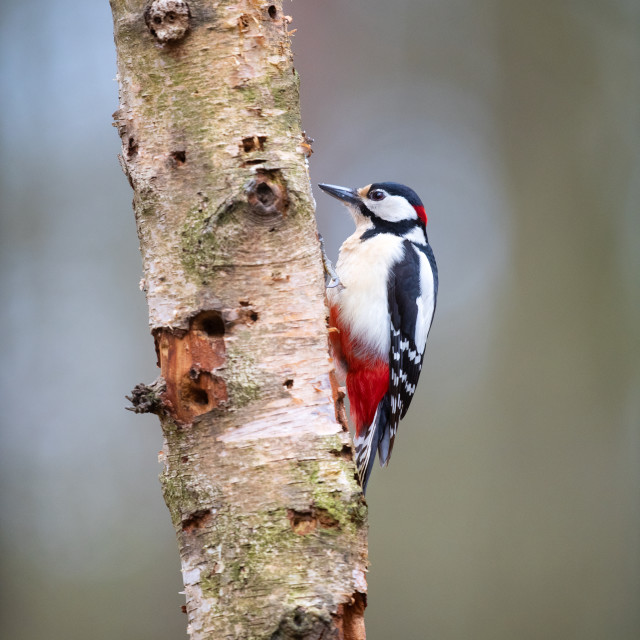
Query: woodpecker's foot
{"points": [[331, 278]]}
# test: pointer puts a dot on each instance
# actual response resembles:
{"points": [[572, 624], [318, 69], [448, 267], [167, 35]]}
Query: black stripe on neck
{"points": [[384, 226]]}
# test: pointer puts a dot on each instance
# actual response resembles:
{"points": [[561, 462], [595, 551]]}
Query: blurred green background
{"points": [[511, 509]]}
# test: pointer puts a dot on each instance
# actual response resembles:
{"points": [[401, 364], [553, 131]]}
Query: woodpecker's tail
{"points": [[375, 436]]}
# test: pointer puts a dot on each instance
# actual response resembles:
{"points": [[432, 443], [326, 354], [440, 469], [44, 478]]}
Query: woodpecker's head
{"points": [[382, 203]]}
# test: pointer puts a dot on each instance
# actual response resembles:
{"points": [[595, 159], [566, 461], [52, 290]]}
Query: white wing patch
{"points": [[425, 302]]}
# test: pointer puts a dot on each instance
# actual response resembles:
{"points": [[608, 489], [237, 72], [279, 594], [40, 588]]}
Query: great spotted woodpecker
{"points": [[381, 311]]}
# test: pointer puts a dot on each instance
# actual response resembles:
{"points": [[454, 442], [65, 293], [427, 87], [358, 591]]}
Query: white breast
{"points": [[363, 268]]}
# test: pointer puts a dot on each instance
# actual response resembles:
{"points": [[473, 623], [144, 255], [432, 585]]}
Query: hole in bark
{"points": [[189, 362], [325, 519], [210, 322], [273, 12], [253, 316], [244, 303], [346, 453], [179, 157], [157, 20], [288, 383], [171, 16], [197, 395], [302, 522], [253, 143], [305, 522], [267, 197], [132, 148], [265, 194], [243, 21], [197, 520]]}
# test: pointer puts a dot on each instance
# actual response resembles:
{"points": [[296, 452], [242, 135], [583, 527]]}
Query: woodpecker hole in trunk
{"points": [[196, 395], [346, 453], [253, 143], [197, 520], [178, 158], [188, 363], [265, 195], [267, 198], [209, 322], [305, 522]]}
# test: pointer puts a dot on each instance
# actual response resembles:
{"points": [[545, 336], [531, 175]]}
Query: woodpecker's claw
{"points": [[332, 281], [331, 278]]}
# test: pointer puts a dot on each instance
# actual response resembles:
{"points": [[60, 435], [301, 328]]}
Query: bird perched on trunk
{"points": [[381, 303]]}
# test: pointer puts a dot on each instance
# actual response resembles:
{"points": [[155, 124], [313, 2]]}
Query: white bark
{"points": [[258, 471]]}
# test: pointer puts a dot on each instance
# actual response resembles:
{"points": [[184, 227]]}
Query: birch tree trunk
{"points": [[258, 472]]}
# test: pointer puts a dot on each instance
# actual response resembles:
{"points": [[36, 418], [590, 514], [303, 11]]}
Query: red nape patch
{"points": [[365, 388], [422, 214]]}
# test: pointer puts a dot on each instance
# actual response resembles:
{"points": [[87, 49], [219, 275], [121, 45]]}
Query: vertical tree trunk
{"points": [[258, 472]]}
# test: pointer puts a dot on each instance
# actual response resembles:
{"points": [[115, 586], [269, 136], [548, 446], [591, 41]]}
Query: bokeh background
{"points": [[511, 508]]}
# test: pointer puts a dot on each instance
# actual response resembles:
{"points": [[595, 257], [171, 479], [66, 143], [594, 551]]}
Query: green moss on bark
{"points": [[208, 240], [244, 383], [182, 499]]}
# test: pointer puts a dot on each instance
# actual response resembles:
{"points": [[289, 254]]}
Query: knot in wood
{"points": [[310, 624], [167, 20], [267, 200]]}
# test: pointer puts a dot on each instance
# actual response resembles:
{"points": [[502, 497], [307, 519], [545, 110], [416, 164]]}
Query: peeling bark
{"points": [[258, 471]]}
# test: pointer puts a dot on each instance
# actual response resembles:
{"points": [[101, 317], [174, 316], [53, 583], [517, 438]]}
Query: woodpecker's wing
{"points": [[411, 296]]}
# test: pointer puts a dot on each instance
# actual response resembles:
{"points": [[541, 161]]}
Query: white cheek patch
{"points": [[393, 209]]}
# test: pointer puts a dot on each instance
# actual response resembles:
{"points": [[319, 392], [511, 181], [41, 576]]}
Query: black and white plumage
{"points": [[383, 311]]}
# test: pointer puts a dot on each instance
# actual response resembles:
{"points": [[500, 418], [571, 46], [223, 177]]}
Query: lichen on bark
{"points": [[257, 472]]}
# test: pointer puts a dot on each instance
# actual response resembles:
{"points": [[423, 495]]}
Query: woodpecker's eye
{"points": [[377, 195]]}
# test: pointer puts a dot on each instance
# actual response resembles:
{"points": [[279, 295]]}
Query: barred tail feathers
{"points": [[387, 433], [374, 436]]}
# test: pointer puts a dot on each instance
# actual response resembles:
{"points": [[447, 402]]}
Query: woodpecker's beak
{"points": [[348, 196]]}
